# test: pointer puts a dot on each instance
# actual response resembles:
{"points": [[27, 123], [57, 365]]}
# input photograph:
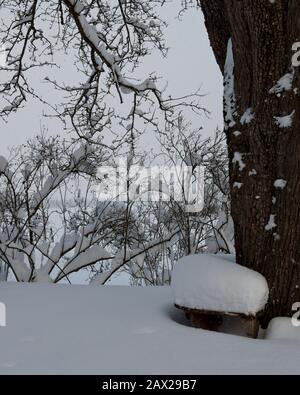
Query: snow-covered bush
{"points": [[51, 222], [208, 231]]}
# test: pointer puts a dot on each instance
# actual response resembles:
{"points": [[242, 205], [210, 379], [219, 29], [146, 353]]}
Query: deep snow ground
{"points": [[122, 330]]}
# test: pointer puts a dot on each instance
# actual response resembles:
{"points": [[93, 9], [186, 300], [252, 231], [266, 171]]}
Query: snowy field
{"points": [[123, 330]]}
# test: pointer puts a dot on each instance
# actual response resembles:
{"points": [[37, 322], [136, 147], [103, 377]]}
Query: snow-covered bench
{"points": [[209, 287]]}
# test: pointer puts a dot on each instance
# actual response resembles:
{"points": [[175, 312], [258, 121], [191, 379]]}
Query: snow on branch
{"points": [[123, 257], [107, 41]]}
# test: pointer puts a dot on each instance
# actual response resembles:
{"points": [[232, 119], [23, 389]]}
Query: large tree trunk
{"points": [[262, 147]]}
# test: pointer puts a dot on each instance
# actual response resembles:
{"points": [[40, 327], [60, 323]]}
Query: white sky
{"points": [[190, 65]]}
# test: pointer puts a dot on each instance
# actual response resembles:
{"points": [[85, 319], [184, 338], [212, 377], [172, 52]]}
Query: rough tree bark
{"points": [[263, 146]]}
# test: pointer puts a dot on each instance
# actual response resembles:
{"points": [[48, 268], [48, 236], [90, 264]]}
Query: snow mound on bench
{"points": [[281, 328], [217, 283]]}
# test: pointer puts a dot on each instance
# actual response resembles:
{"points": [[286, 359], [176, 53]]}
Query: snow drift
{"points": [[61, 329], [281, 328]]}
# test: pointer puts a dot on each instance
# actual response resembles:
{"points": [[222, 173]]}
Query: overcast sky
{"points": [[190, 65]]}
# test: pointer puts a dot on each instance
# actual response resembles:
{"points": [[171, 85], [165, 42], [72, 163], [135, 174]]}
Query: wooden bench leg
{"points": [[252, 327], [188, 316], [208, 322]]}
